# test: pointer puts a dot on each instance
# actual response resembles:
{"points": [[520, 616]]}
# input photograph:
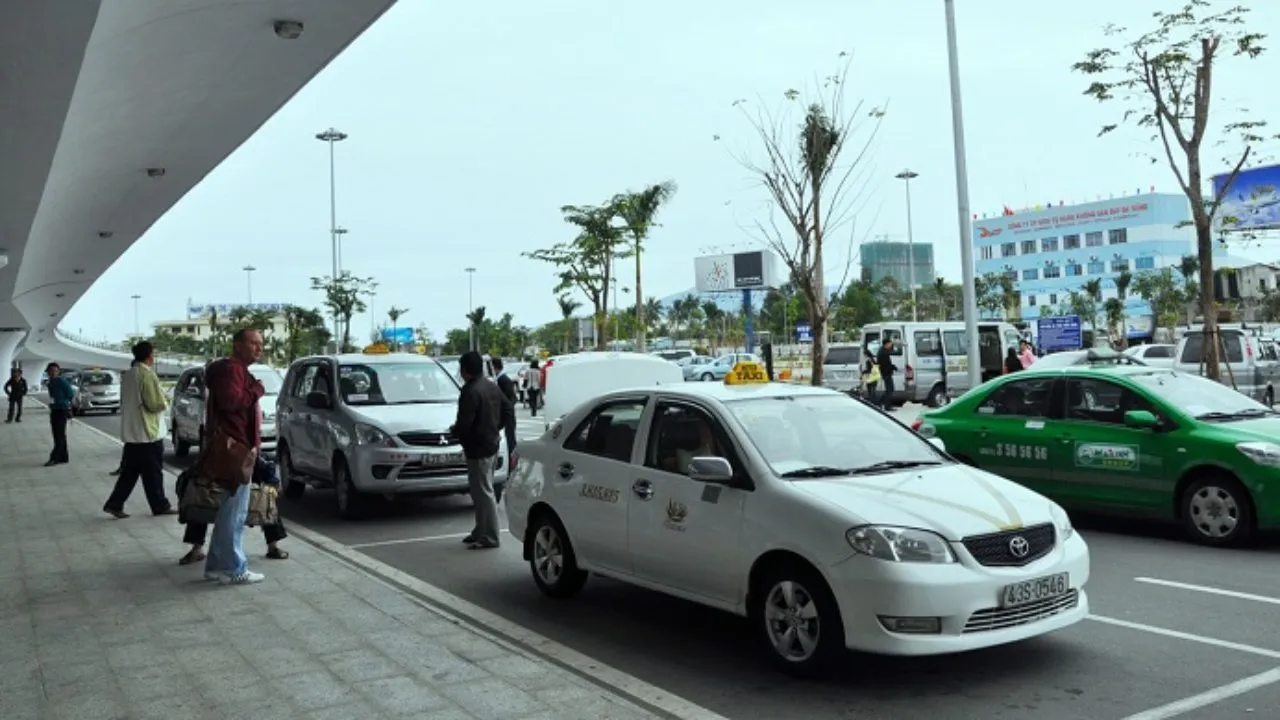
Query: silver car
{"points": [[96, 391], [371, 425], [186, 411]]}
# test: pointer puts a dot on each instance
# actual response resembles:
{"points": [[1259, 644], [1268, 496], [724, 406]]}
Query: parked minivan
{"points": [[842, 368], [370, 425], [932, 358], [1249, 365], [186, 411]]}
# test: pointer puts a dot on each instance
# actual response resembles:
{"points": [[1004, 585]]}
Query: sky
{"points": [[470, 126]]}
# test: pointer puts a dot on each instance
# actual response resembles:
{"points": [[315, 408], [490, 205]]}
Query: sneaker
{"points": [[248, 577], [213, 576]]}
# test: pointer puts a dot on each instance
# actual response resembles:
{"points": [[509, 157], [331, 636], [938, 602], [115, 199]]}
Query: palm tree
{"points": [[637, 210], [1114, 309], [940, 290], [568, 306], [1189, 269], [1123, 281], [1009, 298], [476, 318], [1093, 289], [422, 337], [394, 314], [653, 312]]}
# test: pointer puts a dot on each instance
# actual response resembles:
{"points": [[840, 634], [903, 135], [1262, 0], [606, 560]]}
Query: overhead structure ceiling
{"points": [[97, 92]]}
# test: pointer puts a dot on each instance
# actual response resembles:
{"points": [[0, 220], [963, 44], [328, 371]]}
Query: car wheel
{"points": [[937, 397], [799, 620], [552, 560], [1271, 396], [351, 501], [1217, 510], [291, 486], [708, 377]]}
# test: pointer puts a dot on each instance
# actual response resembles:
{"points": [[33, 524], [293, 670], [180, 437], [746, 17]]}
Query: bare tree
{"points": [[816, 173], [1164, 77]]}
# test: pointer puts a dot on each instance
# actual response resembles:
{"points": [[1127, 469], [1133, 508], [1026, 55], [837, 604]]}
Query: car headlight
{"points": [[1061, 521], [370, 435], [899, 544], [1263, 453]]}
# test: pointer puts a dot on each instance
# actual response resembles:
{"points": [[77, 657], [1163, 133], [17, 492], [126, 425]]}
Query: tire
{"points": [[937, 397], [552, 560], [1216, 510], [351, 502], [794, 602], [708, 377], [291, 486], [180, 447], [1271, 396]]}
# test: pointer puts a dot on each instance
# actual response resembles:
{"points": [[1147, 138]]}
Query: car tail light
{"points": [[910, 374], [515, 462], [1248, 349], [915, 425]]}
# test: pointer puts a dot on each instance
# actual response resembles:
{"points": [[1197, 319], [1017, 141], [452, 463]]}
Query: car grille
{"points": [[1003, 618], [421, 472], [993, 550], [428, 439]]}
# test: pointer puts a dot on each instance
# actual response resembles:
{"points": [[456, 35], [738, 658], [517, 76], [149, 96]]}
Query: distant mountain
{"points": [[730, 301]]}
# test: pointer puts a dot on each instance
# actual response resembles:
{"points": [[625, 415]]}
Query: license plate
{"points": [[1030, 591], [443, 459], [841, 374]]}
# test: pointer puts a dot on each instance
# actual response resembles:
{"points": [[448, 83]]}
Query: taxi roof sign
{"points": [[747, 372], [377, 349]]}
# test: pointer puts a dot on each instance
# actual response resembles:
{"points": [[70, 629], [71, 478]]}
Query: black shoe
{"points": [[482, 545], [117, 514], [469, 539], [51, 463]]}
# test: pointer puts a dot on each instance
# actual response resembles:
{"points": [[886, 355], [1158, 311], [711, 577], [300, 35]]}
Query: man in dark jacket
{"points": [[477, 427], [15, 388], [884, 359], [508, 388]]}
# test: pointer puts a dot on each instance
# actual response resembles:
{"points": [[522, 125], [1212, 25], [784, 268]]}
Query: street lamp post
{"points": [[962, 195], [907, 176], [137, 327], [338, 232], [373, 318], [248, 273], [333, 136], [471, 307]]}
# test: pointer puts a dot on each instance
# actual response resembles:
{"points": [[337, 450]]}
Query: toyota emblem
{"points": [[1019, 547]]}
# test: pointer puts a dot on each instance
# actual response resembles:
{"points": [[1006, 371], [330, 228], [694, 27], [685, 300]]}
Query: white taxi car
{"points": [[826, 522]]}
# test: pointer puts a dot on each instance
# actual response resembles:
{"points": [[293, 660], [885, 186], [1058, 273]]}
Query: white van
{"points": [[932, 358], [1250, 363], [575, 379]]}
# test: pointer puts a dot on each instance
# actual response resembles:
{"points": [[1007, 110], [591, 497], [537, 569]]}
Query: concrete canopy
{"points": [[97, 92]]}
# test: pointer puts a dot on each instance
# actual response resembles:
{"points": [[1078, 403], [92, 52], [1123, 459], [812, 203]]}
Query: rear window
{"points": [[1159, 351], [844, 356], [1193, 348]]}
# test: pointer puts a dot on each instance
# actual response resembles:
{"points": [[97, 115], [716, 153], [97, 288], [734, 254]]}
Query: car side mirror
{"points": [[1141, 419], [317, 400], [938, 443], [711, 470]]}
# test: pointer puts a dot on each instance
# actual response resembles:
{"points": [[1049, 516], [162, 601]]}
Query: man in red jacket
{"points": [[232, 409]]}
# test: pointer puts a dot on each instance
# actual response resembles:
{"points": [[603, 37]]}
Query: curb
{"points": [[491, 626]]}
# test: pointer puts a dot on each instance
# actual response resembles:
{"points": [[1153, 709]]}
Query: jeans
{"points": [[480, 478], [226, 551], [58, 425], [196, 532], [146, 461], [534, 396], [886, 397], [15, 408]]}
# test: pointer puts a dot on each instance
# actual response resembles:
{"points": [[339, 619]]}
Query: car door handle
{"points": [[566, 470], [643, 489]]}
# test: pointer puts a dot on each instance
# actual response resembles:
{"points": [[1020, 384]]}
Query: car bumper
{"points": [[406, 470], [963, 595], [93, 404]]}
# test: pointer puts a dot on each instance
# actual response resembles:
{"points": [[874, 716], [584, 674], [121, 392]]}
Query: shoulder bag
{"points": [[226, 460]]}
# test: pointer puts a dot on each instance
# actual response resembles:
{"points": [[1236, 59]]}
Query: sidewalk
{"points": [[99, 622]]}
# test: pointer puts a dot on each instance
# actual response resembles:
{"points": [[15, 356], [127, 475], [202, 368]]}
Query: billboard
{"points": [[399, 336], [1059, 333], [224, 309], [1252, 202], [750, 270]]}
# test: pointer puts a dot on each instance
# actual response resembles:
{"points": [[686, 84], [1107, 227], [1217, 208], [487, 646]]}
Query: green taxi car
{"points": [[1125, 439]]}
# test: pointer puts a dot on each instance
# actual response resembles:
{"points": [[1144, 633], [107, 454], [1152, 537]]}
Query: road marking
{"points": [[406, 541], [1209, 697], [1178, 634], [1210, 590], [491, 625]]}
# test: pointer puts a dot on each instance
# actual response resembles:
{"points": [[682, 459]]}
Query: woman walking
{"points": [[60, 395], [534, 389]]}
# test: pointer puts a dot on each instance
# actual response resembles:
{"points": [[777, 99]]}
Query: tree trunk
{"points": [[818, 351], [1204, 247], [640, 328]]}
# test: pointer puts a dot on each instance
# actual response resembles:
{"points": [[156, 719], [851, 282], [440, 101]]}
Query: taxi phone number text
{"points": [[1021, 452]]}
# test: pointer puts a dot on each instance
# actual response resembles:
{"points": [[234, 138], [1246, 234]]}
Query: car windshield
{"points": [[97, 378], [270, 378], [1199, 397], [826, 435], [396, 383]]}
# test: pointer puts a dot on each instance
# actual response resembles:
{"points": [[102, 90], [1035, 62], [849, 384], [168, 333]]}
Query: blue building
{"points": [[1056, 250]]}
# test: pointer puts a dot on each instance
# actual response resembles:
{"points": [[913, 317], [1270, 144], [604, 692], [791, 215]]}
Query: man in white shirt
{"points": [[142, 406]]}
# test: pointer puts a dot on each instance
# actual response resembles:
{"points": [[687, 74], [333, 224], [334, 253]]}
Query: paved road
{"points": [[1172, 621]]}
